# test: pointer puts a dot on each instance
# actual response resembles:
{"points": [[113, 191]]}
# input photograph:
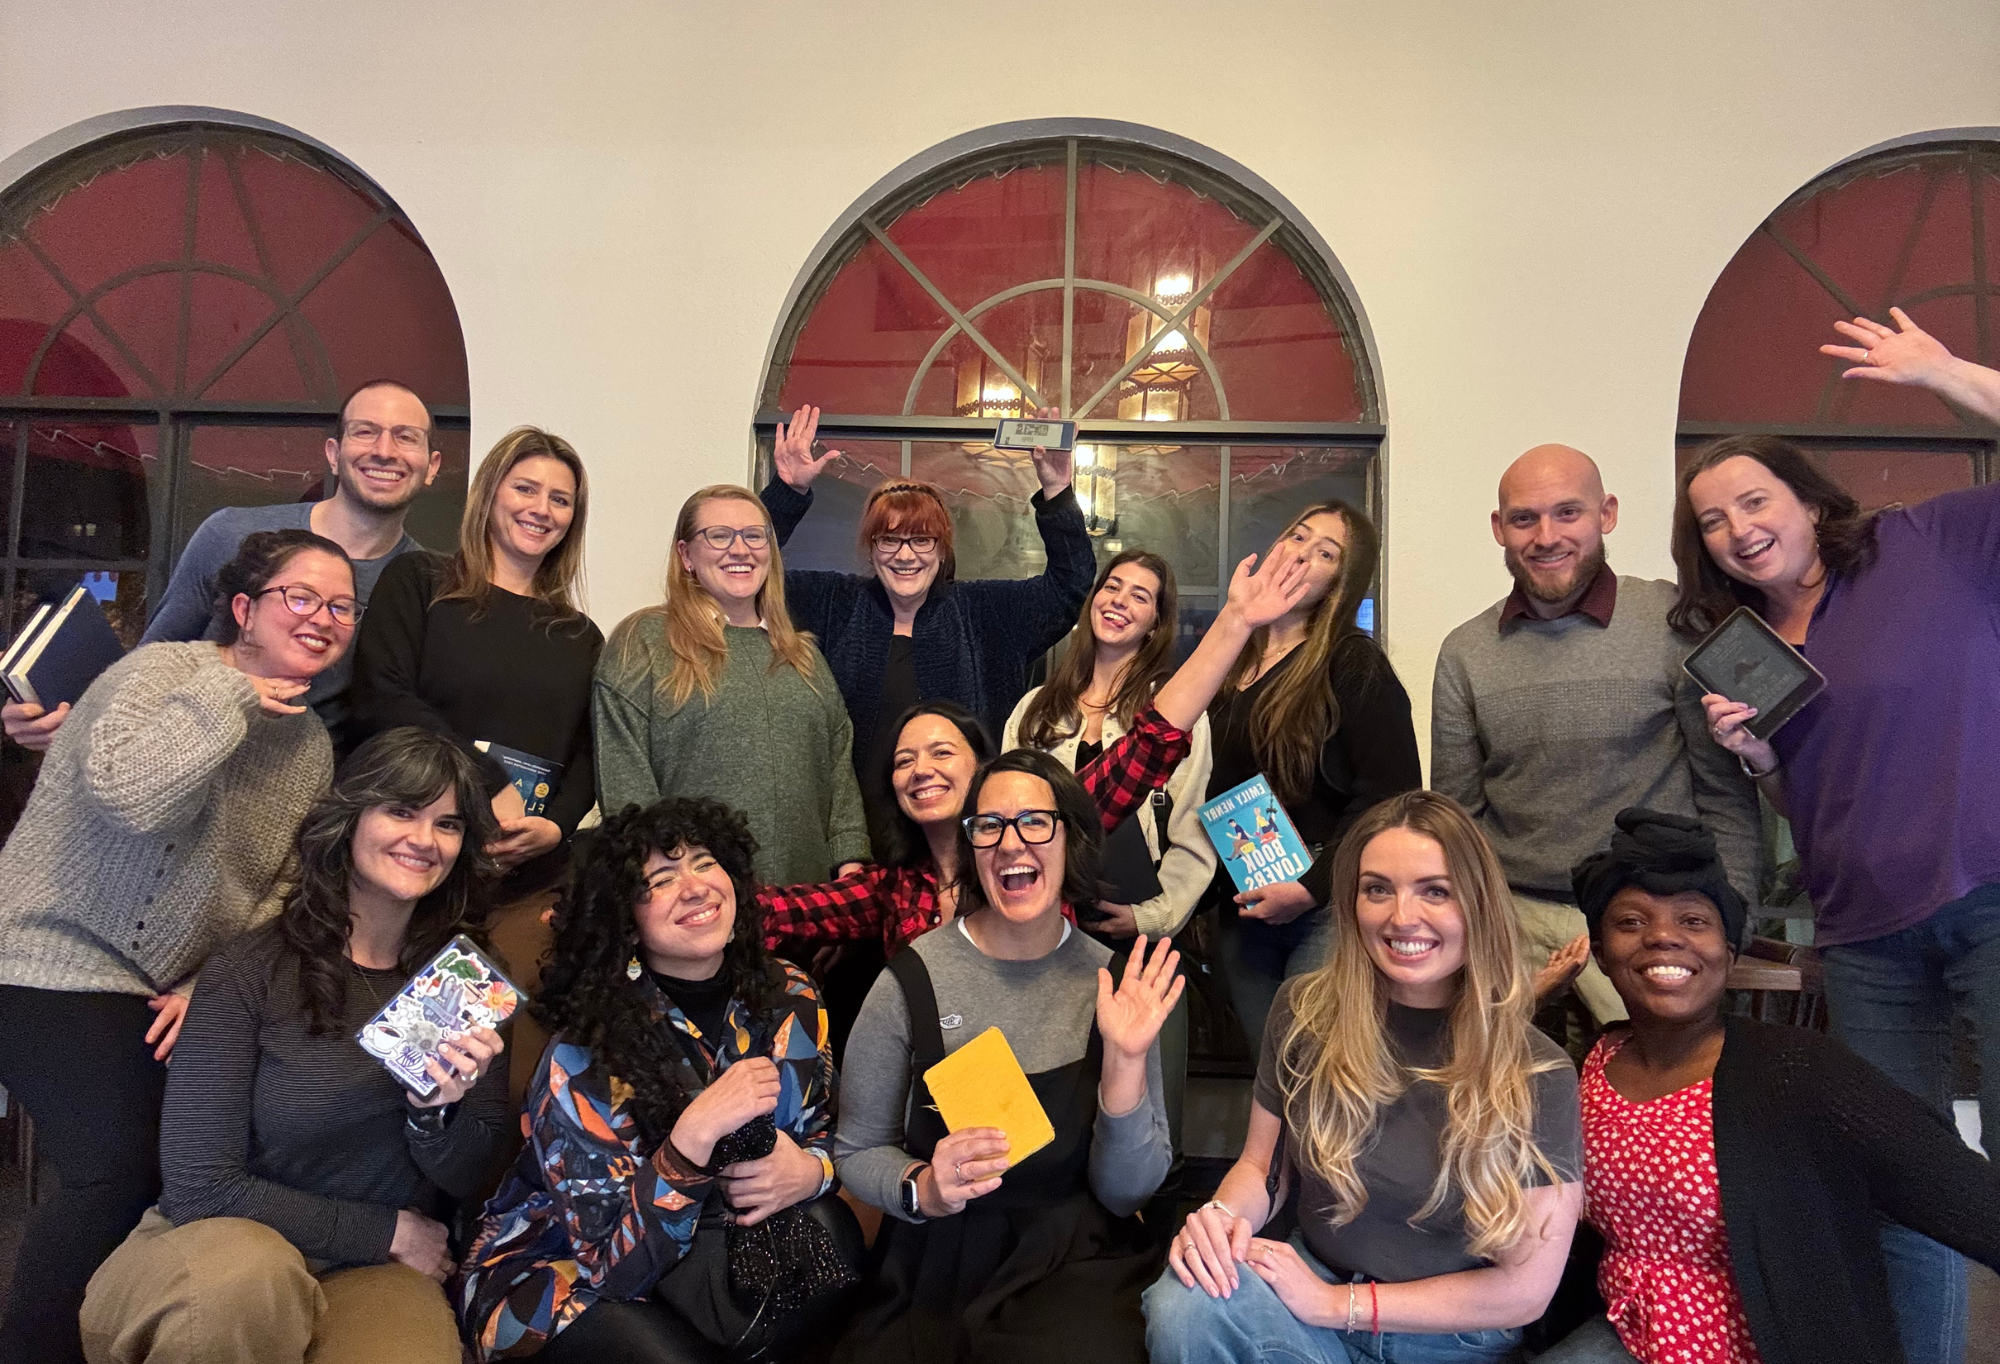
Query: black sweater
{"points": [[1815, 1148], [308, 1135], [516, 676], [974, 641], [1370, 757]]}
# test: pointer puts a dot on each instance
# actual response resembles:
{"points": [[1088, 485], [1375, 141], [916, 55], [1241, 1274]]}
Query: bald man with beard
{"points": [[1565, 703]]}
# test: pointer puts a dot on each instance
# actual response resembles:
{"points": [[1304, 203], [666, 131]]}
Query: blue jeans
{"points": [[1891, 1000], [1594, 1342], [1255, 958], [1186, 1326]]}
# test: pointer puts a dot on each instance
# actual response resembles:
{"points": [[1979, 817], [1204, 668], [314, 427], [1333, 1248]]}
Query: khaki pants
{"points": [[226, 1290], [1549, 924]]}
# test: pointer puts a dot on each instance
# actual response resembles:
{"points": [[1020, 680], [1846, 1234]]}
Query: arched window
{"points": [[1914, 226], [1174, 306], [182, 306]]}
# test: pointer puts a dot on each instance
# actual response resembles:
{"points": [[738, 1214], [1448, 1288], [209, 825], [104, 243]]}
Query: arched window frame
{"points": [[173, 416], [1002, 146], [1972, 439]]}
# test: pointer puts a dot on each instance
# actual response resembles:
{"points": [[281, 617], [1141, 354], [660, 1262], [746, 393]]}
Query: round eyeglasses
{"points": [[303, 601], [722, 537], [1034, 826]]}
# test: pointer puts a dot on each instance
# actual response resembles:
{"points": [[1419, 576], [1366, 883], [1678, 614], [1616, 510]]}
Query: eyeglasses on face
{"points": [[722, 537], [408, 439], [1034, 826], [303, 601], [891, 545]]}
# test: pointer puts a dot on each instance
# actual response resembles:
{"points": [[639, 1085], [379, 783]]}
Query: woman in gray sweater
{"points": [[162, 818]]}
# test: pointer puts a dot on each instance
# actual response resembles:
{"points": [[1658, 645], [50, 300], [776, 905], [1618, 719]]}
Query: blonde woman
{"points": [[715, 693], [1313, 705], [1433, 1133]]}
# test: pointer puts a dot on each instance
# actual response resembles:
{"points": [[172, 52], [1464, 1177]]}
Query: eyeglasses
{"points": [[303, 601], [893, 544], [1034, 826], [722, 537], [409, 439]]}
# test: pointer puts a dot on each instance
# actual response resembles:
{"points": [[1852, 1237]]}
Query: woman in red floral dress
{"points": [[1740, 1171]]}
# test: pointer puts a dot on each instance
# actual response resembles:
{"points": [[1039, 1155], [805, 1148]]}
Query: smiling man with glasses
{"points": [[382, 454]]}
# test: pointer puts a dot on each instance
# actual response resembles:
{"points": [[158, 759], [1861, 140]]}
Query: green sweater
{"points": [[767, 743]]}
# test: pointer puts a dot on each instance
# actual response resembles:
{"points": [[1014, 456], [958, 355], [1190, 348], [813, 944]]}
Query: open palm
{"points": [[1129, 1017]]}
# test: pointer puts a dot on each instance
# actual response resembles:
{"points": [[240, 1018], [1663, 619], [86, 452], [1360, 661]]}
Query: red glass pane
{"points": [[30, 303], [385, 313], [1160, 239], [989, 235], [1878, 476], [861, 346], [132, 216], [304, 214], [1170, 384], [1281, 356], [965, 381], [1900, 234]]}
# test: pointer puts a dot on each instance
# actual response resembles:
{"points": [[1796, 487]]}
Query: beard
{"points": [[348, 476], [1542, 589]]}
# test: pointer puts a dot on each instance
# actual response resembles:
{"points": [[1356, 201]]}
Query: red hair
{"points": [[900, 507]]}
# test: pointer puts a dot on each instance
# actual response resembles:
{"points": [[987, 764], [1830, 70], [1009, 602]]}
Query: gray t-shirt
{"points": [[1399, 1166], [187, 610], [1045, 1007]]}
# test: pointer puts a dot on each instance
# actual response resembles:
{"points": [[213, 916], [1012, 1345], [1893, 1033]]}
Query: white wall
{"points": [[1532, 198]]}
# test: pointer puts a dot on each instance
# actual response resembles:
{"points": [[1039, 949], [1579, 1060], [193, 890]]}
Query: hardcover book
{"points": [[60, 652], [1255, 836], [458, 991], [535, 778]]}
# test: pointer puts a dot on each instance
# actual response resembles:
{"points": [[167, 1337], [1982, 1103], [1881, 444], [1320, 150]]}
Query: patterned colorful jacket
{"points": [[897, 904], [587, 1212]]}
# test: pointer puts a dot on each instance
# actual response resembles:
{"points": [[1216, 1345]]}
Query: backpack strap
{"points": [[920, 1000]]}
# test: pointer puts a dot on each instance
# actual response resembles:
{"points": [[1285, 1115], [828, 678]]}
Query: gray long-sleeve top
{"points": [[1045, 1007], [308, 1135]]}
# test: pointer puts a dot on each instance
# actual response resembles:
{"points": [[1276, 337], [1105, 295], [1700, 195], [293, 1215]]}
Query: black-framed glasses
{"points": [[405, 438], [303, 601], [722, 537], [893, 544], [1034, 826]]}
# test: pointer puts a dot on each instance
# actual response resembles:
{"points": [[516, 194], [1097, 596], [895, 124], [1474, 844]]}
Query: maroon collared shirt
{"points": [[1597, 602]]}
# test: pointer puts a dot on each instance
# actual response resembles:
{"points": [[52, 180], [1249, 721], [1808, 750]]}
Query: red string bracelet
{"points": [[1374, 1311]]}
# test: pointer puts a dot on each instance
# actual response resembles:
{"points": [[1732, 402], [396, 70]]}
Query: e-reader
{"points": [[1746, 660], [1022, 434]]}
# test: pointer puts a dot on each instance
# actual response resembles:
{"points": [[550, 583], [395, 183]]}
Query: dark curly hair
{"points": [[406, 766], [587, 997], [261, 557], [1074, 807], [1707, 595]]}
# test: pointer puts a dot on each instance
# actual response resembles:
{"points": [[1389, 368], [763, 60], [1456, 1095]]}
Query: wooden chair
{"points": [[1780, 982]]}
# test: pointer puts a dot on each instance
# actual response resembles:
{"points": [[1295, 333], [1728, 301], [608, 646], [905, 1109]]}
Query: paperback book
{"points": [[535, 778], [1254, 835]]}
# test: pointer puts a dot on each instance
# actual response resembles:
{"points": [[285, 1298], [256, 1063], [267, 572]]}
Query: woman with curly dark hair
{"points": [[303, 1183], [670, 1198]]}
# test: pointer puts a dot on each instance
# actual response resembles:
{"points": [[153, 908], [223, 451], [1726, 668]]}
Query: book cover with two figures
{"points": [[1254, 835]]}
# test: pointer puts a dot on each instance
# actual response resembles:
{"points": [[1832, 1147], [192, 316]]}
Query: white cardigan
{"points": [[1188, 863]]}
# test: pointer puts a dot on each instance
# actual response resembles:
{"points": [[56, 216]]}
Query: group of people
{"points": [[814, 874]]}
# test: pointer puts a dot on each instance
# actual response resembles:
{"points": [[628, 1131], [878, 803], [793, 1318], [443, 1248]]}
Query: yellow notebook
{"points": [[982, 1085]]}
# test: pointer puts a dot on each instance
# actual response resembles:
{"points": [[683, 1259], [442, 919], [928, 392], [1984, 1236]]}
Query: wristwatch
{"points": [[912, 1209]]}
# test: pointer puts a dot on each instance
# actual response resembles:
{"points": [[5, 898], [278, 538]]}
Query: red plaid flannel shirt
{"points": [[899, 903]]}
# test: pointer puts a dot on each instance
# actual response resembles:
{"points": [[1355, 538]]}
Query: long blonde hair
{"points": [[694, 622], [559, 580], [1297, 713], [1337, 1071]]}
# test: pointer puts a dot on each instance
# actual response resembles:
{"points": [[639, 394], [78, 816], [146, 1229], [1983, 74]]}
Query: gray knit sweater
{"points": [[164, 813], [1547, 729], [768, 743]]}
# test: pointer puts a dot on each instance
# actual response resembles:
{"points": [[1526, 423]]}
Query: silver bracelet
{"points": [[1751, 772]]}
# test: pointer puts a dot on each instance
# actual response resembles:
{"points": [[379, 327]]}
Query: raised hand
{"points": [[792, 450], [1260, 593], [1565, 965], [1129, 1018], [1052, 467], [1908, 355]]}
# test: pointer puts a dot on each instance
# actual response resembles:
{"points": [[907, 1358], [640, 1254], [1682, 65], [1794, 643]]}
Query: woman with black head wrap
{"points": [[1740, 1171]]}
